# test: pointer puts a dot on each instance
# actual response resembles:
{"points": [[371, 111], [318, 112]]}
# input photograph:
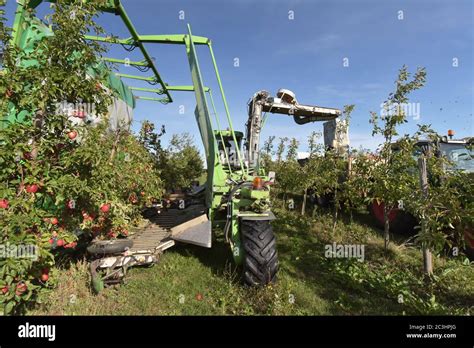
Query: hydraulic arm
{"points": [[284, 103]]}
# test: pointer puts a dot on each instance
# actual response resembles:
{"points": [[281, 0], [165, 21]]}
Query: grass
{"points": [[190, 280]]}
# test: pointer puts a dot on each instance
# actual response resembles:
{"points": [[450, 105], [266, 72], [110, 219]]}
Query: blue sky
{"points": [[306, 56]]}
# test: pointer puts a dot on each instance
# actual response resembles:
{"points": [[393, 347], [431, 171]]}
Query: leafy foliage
{"points": [[390, 176], [61, 183], [392, 179], [180, 163]]}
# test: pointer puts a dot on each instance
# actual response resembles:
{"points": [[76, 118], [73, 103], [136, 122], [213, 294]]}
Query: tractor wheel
{"points": [[260, 263], [104, 247], [469, 238]]}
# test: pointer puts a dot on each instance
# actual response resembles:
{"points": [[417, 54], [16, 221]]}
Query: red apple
{"points": [[51, 241], [54, 221], [4, 203], [4, 290], [72, 135], [199, 297], [79, 114], [105, 208], [32, 188], [21, 288], [60, 243], [44, 277], [71, 245]]}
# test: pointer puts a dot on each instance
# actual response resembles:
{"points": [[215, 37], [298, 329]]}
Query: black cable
{"points": [[142, 68], [153, 83], [129, 48]]}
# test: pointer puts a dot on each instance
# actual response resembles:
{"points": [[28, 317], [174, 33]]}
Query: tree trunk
{"points": [[427, 261], [38, 124], [427, 257], [114, 147], [303, 207], [386, 227], [336, 206]]}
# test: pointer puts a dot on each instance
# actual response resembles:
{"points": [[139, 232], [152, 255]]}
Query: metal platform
{"points": [[153, 238], [159, 233], [197, 231]]}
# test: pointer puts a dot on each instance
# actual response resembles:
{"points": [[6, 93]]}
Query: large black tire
{"points": [[260, 263], [404, 224], [469, 240], [323, 201], [104, 247]]}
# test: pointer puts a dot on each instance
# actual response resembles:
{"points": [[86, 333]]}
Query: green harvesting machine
{"points": [[236, 195]]}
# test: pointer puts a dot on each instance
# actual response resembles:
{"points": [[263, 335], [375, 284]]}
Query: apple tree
{"points": [[391, 180]]}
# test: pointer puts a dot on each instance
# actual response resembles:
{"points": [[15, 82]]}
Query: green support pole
{"points": [[137, 77], [18, 24], [171, 39], [125, 61], [229, 120], [136, 39], [184, 88], [219, 129], [150, 90], [110, 39], [174, 39], [161, 100], [170, 88]]}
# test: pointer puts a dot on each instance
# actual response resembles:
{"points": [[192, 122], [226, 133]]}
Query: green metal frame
{"points": [[222, 179]]}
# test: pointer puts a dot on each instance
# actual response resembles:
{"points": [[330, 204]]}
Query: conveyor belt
{"points": [[150, 239], [156, 235], [174, 217]]}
